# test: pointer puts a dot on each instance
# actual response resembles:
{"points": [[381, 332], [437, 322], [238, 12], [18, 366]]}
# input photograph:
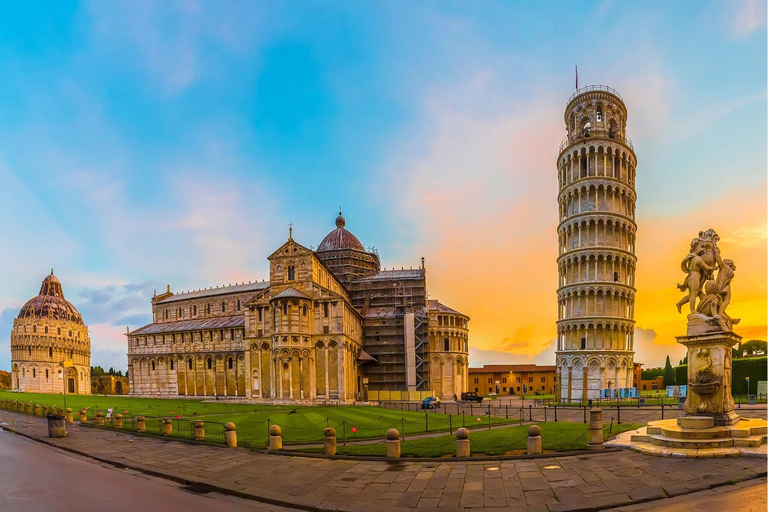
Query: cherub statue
{"points": [[698, 271], [702, 260]]}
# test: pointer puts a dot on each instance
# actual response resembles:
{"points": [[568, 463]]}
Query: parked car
{"points": [[471, 396], [431, 402]]}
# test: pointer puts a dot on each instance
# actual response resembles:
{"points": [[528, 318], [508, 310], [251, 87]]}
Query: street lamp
{"points": [[747, 379]]}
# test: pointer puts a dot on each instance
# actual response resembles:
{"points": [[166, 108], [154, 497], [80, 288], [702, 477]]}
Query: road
{"points": [[749, 499], [35, 477]]}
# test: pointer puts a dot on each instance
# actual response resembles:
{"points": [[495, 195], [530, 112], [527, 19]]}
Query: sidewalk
{"points": [[587, 482]]}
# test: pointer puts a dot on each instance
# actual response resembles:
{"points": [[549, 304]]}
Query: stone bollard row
{"points": [[275, 438], [199, 430], [329, 441], [230, 434], [595, 430], [393, 443], [462, 442], [534, 440]]}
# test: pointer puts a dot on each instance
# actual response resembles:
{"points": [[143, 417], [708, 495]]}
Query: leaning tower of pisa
{"points": [[596, 294]]}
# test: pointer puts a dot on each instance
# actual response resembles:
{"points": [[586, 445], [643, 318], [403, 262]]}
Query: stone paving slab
{"points": [[594, 481]]}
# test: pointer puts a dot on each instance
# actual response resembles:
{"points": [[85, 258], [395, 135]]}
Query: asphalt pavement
{"points": [[35, 477]]}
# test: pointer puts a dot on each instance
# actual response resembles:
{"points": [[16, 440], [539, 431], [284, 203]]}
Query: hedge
{"points": [[756, 368], [652, 373]]}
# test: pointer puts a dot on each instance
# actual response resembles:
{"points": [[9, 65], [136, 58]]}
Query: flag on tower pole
{"points": [[577, 78]]}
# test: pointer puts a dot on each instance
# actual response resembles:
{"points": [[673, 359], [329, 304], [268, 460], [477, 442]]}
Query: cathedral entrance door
{"points": [[70, 385]]}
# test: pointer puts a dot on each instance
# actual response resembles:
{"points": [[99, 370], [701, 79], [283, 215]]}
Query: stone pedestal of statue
{"points": [[710, 375]]}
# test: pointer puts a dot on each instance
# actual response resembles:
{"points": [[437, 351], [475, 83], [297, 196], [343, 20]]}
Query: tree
{"points": [[97, 371], [669, 374], [752, 347]]}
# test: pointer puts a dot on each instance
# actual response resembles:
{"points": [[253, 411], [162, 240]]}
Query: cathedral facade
{"points": [[50, 348], [328, 326]]}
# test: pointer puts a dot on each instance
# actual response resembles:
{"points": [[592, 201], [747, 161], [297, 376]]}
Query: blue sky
{"points": [[145, 143]]}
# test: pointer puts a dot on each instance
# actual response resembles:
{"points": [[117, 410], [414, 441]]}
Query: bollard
{"points": [[15, 405], [83, 416], [37, 410], [329, 440], [393, 443], [167, 427], [534, 440], [141, 423], [46, 410], [462, 442], [275, 438], [118, 421], [70, 418], [28, 408], [99, 419], [230, 434], [595, 429], [199, 431]]}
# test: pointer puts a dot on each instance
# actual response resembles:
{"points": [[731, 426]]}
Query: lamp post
{"points": [[747, 379]]}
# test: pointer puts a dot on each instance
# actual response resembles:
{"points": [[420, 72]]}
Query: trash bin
{"points": [[57, 425]]}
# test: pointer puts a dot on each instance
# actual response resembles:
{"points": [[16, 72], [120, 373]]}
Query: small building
{"points": [[637, 375], [50, 347], [109, 385], [652, 384], [512, 379]]}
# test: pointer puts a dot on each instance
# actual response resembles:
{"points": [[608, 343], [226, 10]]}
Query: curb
{"points": [[301, 504]]}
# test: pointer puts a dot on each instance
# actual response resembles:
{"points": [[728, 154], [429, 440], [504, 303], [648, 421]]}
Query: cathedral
{"points": [[50, 348], [329, 326]]}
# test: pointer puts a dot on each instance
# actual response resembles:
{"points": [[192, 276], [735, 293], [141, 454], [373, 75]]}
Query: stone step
{"points": [[694, 444], [705, 453], [695, 433], [697, 422], [747, 427], [640, 438], [753, 441]]}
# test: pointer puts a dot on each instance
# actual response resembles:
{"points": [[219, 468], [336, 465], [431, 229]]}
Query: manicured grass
{"points": [[300, 424], [560, 436]]}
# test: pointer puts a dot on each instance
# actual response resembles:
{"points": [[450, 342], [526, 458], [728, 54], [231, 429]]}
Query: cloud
{"points": [[178, 42], [748, 16], [117, 305]]}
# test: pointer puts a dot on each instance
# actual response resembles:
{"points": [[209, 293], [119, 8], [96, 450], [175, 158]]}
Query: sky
{"points": [[151, 143]]}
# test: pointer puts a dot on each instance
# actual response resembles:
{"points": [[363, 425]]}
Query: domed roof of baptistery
{"points": [[340, 238], [50, 303]]}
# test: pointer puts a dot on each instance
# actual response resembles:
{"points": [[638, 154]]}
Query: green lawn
{"points": [[560, 436], [300, 424]]}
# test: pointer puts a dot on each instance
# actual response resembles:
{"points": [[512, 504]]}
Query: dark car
{"points": [[471, 396], [430, 402]]}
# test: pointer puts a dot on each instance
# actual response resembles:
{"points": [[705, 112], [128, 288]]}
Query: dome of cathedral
{"points": [[50, 302], [340, 238]]}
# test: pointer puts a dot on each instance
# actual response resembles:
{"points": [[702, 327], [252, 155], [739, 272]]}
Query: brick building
{"points": [[512, 379]]}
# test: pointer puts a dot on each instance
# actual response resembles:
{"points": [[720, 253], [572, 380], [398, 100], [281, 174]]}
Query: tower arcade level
{"points": [[596, 234]]}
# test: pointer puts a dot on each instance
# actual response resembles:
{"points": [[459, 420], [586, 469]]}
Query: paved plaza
{"points": [[592, 481]]}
